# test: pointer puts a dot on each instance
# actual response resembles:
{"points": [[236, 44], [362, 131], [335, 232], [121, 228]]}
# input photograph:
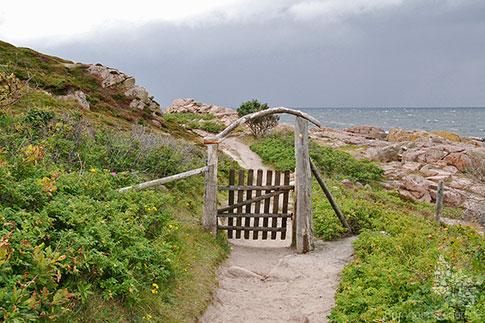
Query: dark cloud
{"points": [[422, 53]]}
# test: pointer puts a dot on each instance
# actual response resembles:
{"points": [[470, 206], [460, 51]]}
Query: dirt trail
{"points": [[266, 281]]}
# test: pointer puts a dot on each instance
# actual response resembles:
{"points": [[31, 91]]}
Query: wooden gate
{"points": [[244, 215]]}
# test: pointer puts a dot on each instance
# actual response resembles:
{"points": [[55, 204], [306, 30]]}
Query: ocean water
{"points": [[468, 122]]}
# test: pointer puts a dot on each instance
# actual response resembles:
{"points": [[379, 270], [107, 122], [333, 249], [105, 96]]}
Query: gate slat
{"points": [[276, 204], [248, 218], [249, 194], [253, 229], [286, 181], [240, 198], [269, 178], [257, 205], [232, 174], [254, 215]]}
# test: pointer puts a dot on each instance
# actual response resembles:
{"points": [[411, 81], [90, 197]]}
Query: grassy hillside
{"points": [[407, 267], [71, 247]]}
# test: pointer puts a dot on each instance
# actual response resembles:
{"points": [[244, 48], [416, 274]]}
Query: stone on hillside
{"points": [[368, 131], [137, 104], [429, 170], [432, 155], [416, 185], [137, 92], [450, 169], [411, 166], [448, 135], [412, 155], [225, 115], [459, 160], [385, 154], [109, 76], [79, 96], [452, 198], [399, 135], [459, 183]]}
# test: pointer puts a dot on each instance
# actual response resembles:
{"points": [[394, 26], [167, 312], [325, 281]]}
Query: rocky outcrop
{"points": [[415, 161], [225, 115], [368, 132], [111, 77], [78, 96], [138, 95]]}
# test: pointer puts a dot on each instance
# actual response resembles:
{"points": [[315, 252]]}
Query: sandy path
{"points": [[266, 281]]}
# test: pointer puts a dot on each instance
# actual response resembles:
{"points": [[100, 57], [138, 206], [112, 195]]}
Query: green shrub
{"points": [[279, 151], [212, 127], [66, 231], [260, 126]]}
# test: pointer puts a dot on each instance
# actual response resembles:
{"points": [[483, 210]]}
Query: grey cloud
{"points": [[422, 53]]}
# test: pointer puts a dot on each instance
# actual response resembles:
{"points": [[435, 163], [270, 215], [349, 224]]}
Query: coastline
{"points": [[414, 161]]}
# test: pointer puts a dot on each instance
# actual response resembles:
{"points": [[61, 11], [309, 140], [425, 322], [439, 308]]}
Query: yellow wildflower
{"points": [[93, 170]]}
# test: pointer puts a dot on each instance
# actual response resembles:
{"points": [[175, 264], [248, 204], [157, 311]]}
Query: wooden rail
{"points": [[164, 180]]}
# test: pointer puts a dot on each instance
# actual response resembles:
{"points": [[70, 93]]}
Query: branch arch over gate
{"points": [[221, 135], [303, 215]]}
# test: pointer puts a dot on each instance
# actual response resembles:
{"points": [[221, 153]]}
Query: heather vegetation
{"points": [[72, 248], [407, 267], [68, 234], [196, 121], [278, 149]]}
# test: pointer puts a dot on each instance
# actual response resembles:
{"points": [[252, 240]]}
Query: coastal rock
{"points": [[138, 95], [476, 212], [225, 115], [79, 96], [400, 135], [459, 183], [385, 154], [137, 92], [459, 160], [110, 76], [411, 166], [368, 131], [416, 187]]}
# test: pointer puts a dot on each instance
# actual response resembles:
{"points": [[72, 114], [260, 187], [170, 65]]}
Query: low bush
{"points": [[196, 121], [279, 151], [407, 268], [67, 234]]}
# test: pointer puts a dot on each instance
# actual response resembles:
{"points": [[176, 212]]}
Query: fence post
{"points": [[303, 216], [209, 218], [439, 200]]}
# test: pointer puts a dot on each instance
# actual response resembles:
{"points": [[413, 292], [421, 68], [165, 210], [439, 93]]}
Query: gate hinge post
{"points": [[209, 218]]}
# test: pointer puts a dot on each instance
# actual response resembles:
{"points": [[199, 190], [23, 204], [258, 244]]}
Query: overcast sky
{"points": [[297, 53]]}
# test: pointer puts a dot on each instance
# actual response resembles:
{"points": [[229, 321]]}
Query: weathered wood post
{"points": [[303, 213], [329, 195], [209, 219], [439, 200]]}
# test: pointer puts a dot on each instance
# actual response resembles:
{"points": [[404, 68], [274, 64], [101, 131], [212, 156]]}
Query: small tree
{"points": [[260, 126]]}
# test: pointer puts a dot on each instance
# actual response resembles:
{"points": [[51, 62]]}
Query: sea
{"points": [[467, 122]]}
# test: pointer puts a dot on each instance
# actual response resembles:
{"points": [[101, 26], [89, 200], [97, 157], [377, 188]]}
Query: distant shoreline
{"points": [[466, 122]]}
